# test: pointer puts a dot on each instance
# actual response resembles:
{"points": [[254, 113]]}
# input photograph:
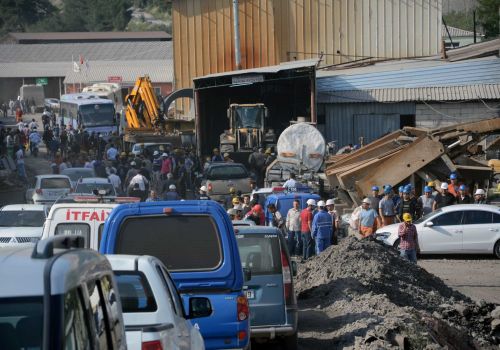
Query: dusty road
{"points": [[477, 278]]}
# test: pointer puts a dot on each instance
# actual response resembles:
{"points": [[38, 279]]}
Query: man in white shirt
{"points": [[115, 180], [138, 184], [291, 184], [33, 125], [292, 225], [20, 164], [112, 152]]}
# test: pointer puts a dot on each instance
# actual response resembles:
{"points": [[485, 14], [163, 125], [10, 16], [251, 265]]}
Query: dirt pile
{"points": [[368, 297]]}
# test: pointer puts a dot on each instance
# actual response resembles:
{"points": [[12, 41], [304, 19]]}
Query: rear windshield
{"points": [[260, 253], [55, 183], [182, 243], [74, 175], [88, 188], [21, 323], [135, 292], [24, 218], [75, 229], [227, 172]]}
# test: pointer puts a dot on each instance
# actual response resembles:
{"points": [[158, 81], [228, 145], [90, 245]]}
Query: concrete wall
{"points": [[434, 115]]}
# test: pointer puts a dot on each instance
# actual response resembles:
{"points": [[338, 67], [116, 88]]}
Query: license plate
{"points": [[250, 294]]}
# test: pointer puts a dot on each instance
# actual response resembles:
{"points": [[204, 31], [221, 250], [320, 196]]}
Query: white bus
{"points": [[89, 111], [111, 91]]}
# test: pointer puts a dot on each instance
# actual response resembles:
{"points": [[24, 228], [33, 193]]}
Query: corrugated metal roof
{"points": [[479, 71], [443, 93], [89, 35], [268, 69], [112, 51], [33, 70], [99, 71]]}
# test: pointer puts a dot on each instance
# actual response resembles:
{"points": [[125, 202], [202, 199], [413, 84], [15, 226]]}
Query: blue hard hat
{"points": [[410, 186], [401, 188], [453, 176], [387, 189], [375, 188], [427, 189], [407, 189], [462, 188]]}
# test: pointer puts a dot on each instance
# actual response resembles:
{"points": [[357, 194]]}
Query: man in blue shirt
{"points": [[322, 228]]}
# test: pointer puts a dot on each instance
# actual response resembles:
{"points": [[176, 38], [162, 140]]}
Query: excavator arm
{"points": [[143, 109]]}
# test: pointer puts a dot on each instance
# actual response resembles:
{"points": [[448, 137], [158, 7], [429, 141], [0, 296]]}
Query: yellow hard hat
{"points": [[407, 217], [236, 200], [268, 151], [430, 183], [232, 190]]}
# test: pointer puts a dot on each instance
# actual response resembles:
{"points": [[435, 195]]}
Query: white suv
{"points": [[152, 309], [21, 224], [48, 188]]}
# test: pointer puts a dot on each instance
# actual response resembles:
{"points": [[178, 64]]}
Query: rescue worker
{"points": [[203, 194], [444, 198], [398, 198], [292, 225], [172, 194], [375, 198], [232, 214], [228, 201], [386, 207], [453, 187], [322, 228], [168, 182], [367, 219], [426, 202], [463, 196], [330, 206], [408, 239], [408, 204], [306, 219], [276, 217], [256, 215], [480, 196]]}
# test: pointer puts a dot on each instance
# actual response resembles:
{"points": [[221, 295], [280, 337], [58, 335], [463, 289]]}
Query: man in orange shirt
{"points": [[453, 186], [306, 218]]}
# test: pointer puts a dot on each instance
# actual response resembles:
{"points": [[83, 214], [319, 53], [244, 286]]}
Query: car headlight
{"points": [[381, 236]]}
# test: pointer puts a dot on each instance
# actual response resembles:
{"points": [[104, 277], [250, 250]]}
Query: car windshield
{"points": [[89, 187], [227, 172], [54, 183], [135, 292], [260, 253], [425, 217], [76, 174], [21, 323], [22, 218], [98, 114]]}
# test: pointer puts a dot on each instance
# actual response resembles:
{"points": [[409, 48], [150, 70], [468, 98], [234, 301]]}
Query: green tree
{"points": [[463, 20], [487, 13], [17, 15]]}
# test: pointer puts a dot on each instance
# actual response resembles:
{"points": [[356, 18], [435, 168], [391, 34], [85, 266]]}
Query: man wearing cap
{"points": [[408, 239], [453, 187], [276, 219], [408, 204], [426, 201], [203, 194], [463, 195], [232, 213], [367, 219], [375, 198], [166, 165], [172, 194], [292, 225], [480, 196], [444, 198], [156, 168], [386, 208], [330, 206], [228, 159], [398, 198], [306, 219], [322, 228]]}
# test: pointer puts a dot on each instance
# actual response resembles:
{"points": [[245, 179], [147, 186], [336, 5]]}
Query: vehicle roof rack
{"points": [[44, 248]]}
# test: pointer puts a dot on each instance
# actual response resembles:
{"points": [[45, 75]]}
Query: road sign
{"points": [[115, 79], [42, 81]]}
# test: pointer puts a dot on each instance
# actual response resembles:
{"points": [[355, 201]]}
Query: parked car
{"points": [[95, 185], [284, 202], [238, 223], [195, 241], [85, 219], [57, 296], [76, 174], [52, 104], [456, 229], [138, 148], [47, 188], [270, 292], [219, 177], [152, 309], [21, 224]]}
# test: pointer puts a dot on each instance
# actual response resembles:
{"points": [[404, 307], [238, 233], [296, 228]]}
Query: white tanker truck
{"points": [[301, 150]]}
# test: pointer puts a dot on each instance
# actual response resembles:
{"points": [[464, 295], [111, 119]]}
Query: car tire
{"points": [[496, 249], [291, 342]]}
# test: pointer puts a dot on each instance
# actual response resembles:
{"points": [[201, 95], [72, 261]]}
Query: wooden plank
{"points": [[221, 59], [213, 35], [256, 34], [198, 40], [205, 28], [228, 36], [264, 56], [308, 37]]}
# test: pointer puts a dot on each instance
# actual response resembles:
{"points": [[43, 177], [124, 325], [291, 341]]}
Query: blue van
{"points": [[196, 242], [284, 202]]}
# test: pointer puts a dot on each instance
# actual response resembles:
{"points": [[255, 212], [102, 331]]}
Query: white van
{"points": [[86, 219]]}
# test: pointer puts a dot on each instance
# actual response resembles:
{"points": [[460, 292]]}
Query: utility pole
{"points": [[474, 23], [236, 28]]}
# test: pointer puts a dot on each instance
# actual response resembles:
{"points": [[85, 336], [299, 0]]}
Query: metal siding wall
{"points": [[340, 117]]}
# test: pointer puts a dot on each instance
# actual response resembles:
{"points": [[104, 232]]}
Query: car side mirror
{"points": [[294, 268], [247, 274], [199, 307], [429, 224]]}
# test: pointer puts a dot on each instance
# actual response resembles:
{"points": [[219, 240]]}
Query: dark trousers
{"points": [[292, 242], [307, 245]]}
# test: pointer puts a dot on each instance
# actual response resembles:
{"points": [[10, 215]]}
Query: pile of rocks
{"points": [[380, 300]]}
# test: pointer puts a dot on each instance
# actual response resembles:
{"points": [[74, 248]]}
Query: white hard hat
{"points": [[479, 191], [311, 201], [330, 202], [164, 155], [203, 189], [132, 163], [155, 153], [367, 201], [444, 186], [171, 187], [321, 204]]}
